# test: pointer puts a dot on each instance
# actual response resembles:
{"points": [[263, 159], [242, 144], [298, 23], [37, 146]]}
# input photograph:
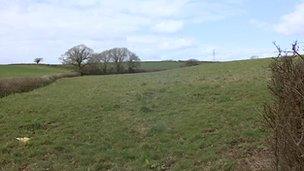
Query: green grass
{"points": [[160, 65], [9, 71], [194, 118], [24, 70]]}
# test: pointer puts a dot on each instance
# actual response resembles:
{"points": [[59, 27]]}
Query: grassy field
{"points": [[161, 65], [203, 117], [10, 71], [24, 70]]}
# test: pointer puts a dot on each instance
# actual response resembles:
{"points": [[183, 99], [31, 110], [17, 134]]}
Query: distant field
{"points": [[24, 70], [8, 71], [201, 118], [160, 65]]}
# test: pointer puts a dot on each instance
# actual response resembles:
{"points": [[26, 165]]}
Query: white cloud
{"points": [[168, 26], [293, 23], [176, 43], [31, 28], [160, 43]]}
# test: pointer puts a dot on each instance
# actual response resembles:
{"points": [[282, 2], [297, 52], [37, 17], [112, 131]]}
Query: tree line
{"points": [[115, 60]]}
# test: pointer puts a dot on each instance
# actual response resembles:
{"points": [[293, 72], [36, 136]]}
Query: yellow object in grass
{"points": [[24, 139]]}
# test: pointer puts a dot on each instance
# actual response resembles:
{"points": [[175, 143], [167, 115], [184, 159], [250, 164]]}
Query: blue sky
{"points": [[154, 29]]}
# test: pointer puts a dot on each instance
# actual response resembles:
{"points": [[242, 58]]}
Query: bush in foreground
{"points": [[284, 116]]}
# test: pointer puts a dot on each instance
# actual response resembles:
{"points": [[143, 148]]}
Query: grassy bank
{"points": [[203, 117], [24, 84]]}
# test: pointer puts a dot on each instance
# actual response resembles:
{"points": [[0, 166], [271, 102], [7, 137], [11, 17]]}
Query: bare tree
{"points": [[121, 55], [98, 63], [118, 56], [38, 60], [133, 62], [77, 56], [103, 58]]}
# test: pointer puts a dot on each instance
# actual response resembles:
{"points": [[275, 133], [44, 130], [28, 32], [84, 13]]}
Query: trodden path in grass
{"points": [[181, 119]]}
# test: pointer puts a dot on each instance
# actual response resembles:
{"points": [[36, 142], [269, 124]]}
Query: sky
{"points": [[153, 29]]}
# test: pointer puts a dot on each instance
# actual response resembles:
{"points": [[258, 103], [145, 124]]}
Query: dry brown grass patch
{"points": [[19, 85]]}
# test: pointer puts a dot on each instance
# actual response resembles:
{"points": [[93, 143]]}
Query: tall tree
{"points": [[77, 56], [104, 58], [133, 62], [118, 56]]}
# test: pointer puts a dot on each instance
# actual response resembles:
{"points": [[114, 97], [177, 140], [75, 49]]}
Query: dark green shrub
{"points": [[192, 62]]}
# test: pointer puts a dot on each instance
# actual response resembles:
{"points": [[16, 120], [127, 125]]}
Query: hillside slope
{"points": [[189, 118]]}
